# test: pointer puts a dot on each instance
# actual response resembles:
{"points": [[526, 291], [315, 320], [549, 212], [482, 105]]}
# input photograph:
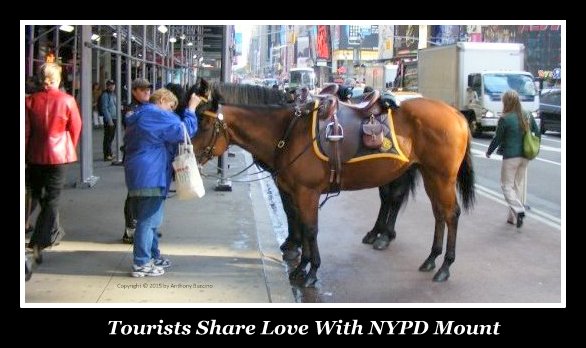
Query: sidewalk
{"points": [[224, 250], [222, 246]]}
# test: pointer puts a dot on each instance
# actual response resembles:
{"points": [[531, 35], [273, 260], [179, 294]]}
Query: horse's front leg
{"points": [[307, 201], [291, 245]]}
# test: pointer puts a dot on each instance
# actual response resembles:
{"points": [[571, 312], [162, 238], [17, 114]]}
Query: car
{"points": [[550, 111], [357, 92], [398, 96], [269, 82], [401, 96]]}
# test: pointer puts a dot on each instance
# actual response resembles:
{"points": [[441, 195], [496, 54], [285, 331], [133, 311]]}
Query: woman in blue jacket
{"points": [[152, 133]]}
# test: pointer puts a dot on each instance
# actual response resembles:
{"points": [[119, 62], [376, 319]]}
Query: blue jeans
{"points": [[149, 216]]}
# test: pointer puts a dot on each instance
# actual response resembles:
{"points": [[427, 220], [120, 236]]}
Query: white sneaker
{"points": [[147, 270]]}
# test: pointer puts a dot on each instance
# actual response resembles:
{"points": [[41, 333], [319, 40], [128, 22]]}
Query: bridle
{"points": [[219, 125]]}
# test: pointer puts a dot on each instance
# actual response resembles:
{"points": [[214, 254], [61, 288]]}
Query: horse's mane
{"points": [[179, 92], [229, 93]]}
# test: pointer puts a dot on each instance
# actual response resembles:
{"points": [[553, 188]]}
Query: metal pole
{"points": [[224, 184], [182, 54], [144, 45], [118, 93], [56, 38], [74, 72], [87, 178], [128, 64], [98, 55], [119, 138], [31, 51], [164, 54], [154, 69]]}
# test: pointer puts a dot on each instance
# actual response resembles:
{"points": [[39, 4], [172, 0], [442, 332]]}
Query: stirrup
{"points": [[334, 137]]}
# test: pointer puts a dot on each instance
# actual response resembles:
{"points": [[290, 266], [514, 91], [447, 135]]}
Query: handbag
{"points": [[531, 143], [372, 136], [188, 182]]}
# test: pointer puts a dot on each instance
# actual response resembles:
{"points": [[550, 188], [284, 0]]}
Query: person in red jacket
{"points": [[53, 125]]}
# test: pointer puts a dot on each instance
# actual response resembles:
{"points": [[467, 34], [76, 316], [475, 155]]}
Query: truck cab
{"points": [[489, 87]]}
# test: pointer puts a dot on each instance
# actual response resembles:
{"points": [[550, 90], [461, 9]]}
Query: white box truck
{"points": [[489, 69]]}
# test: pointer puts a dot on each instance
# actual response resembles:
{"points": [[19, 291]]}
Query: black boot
{"points": [[520, 217]]}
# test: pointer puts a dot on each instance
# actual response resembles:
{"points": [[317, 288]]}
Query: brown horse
{"points": [[393, 195], [432, 135]]}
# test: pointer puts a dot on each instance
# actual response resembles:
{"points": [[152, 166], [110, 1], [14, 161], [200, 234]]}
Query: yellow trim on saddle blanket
{"points": [[400, 156]]}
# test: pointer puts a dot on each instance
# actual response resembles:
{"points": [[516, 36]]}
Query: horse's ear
{"points": [[216, 97], [204, 85]]}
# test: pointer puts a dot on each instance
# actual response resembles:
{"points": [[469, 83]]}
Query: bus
{"points": [[299, 77]]}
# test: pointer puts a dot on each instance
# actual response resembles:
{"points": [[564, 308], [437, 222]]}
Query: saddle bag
{"points": [[372, 136]]}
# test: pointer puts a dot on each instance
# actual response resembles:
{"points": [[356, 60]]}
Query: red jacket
{"points": [[52, 125]]}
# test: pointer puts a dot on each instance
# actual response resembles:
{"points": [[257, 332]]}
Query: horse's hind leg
{"points": [[452, 220], [442, 193], [380, 225], [388, 234], [438, 238], [392, 195]]}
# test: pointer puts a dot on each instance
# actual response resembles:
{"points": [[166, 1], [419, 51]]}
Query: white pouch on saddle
{"points": [[187, 178]]}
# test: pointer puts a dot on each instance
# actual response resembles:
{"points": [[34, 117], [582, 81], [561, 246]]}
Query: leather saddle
{"points": [[351, 118]]}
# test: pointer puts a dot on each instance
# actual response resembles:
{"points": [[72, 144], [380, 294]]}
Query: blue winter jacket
{"points": [[151, 138]]}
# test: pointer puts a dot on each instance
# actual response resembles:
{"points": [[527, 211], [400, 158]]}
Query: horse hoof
{"points": [[369, 238], [37, 255], [310, 282], [297, 274], [287, 245], [289, 255], [427, 266], [381, 243], [441, 276]]}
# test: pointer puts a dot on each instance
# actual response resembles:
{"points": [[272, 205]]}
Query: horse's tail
{"points": [[405, 185], [466, 180]]}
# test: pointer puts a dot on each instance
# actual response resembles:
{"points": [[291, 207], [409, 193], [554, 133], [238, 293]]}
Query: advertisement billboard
{"points": [[363, 36], [323, 46], [238, 43], [303, 52]]}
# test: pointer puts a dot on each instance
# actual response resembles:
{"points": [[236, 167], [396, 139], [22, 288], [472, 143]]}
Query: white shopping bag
{"points": [[188, 181]]}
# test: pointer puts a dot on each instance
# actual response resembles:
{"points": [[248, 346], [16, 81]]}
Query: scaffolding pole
{"points": [[118, 94], [224, 184], [87, 178]]}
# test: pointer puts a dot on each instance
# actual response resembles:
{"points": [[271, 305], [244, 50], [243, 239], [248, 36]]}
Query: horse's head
{"points": [[211, 138], [201, 88]]}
